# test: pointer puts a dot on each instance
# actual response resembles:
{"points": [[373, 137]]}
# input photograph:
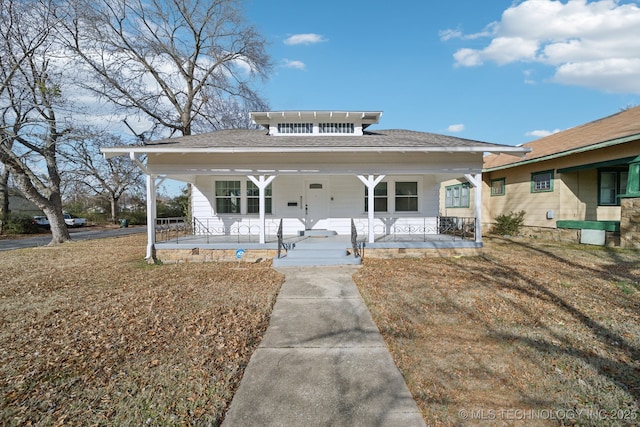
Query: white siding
{"points": [[344, 196], [201, 207]]}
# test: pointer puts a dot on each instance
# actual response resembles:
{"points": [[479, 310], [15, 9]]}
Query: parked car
{"points": [[74, 222], [40, 221]]}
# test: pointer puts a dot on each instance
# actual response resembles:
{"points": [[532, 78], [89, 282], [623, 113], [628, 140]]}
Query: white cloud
{"points": [[456, 128], [540, 133], [609, 75], [305, 39], [594, 44], [528, 77], [450, 34], [298, 65]]}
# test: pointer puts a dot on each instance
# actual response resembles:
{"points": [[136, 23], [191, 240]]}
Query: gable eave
{"points": [[110, 152], [578, 150]]}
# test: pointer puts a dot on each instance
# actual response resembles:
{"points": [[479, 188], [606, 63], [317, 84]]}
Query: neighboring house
{"points": [[19, 205], [315, 172], [584, 178]]}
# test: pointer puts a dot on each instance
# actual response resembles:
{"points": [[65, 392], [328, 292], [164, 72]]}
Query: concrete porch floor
{"points": [[252, 241]]}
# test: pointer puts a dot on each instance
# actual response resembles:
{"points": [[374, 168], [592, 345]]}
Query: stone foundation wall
{"points": [[630, 223], [553, 234], [567, 235], [419, 253], [174, 256], [543, 233]]}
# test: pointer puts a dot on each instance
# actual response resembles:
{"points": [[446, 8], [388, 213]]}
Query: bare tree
{"points": [[107, 178], [30, 99], [4, 195], [169, 59]]}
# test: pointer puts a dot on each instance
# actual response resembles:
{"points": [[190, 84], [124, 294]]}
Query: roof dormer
{"points": [[316, 123]]}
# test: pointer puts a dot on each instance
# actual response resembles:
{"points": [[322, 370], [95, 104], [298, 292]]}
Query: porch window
{"points": [[542, 182], [611, 184], [498, 187], [253, 198], [295, 128], [406, 196], [457, 196], [379, 198], [228, 197]]}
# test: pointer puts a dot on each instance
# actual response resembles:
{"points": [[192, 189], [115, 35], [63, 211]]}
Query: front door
{"points": [[316, 204]]}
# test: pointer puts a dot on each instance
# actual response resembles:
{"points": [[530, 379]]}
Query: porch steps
{"points": [[319, 233], [315, 251]]}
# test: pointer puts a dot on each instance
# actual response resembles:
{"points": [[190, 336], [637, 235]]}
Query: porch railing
{"points": [[173, 228], [463, 227], [240, 230], [354, 240], [419, 229]]}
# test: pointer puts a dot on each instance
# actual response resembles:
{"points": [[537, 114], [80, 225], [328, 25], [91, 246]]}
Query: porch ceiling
{"points": [[319, 163]]}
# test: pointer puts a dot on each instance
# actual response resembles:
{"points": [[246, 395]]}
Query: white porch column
{"points": [[151, 216], [262, 182], [476, 181], [371, 181]]}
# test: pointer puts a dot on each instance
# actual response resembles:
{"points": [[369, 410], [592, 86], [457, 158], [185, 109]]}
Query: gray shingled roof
{"points": [[257, 139]]}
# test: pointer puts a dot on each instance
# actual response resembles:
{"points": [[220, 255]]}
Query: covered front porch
{"points": [[183, 240], [182, 231], [273, 212]]}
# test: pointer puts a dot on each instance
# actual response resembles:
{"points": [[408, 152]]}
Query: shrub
{"points": [[135, 218], [509, 224], [20, 224]]}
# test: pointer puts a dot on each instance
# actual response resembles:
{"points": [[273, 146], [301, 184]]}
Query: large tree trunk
{"points": [[4, 197], [59, 230], [114, 208], [51, 206]]}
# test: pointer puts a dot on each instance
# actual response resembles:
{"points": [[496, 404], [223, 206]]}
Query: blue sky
{"points": [[499, 71]]}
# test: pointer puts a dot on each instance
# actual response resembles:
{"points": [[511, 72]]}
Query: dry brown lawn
{"points": [[92, 335], [531, 333]]}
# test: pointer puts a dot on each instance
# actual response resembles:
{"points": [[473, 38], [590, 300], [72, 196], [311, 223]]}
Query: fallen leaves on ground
{"points": [[531, 333], [92, 335]]}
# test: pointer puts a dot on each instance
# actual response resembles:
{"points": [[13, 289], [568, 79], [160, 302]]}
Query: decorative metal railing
{"points": [[173, 228], [463, 227], [354, 240], [212, 230], [201, 229], [280, 240], [396, 229], [418, 229]]}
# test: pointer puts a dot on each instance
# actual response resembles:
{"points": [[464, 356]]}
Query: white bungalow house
{"points": [[314, 173]]}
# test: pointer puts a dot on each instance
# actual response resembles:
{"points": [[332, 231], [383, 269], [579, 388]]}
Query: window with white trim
{"points": [[253, 198], [336, 128], [542, 181], [295, 127], [380, 200], [228, 197], [406, 196], [456, 196]]}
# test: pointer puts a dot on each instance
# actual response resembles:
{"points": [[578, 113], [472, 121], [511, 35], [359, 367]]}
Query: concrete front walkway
{"points": [[322, 361]]}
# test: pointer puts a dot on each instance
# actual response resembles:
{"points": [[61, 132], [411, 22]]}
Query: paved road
{"points": [[76, 234]]}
